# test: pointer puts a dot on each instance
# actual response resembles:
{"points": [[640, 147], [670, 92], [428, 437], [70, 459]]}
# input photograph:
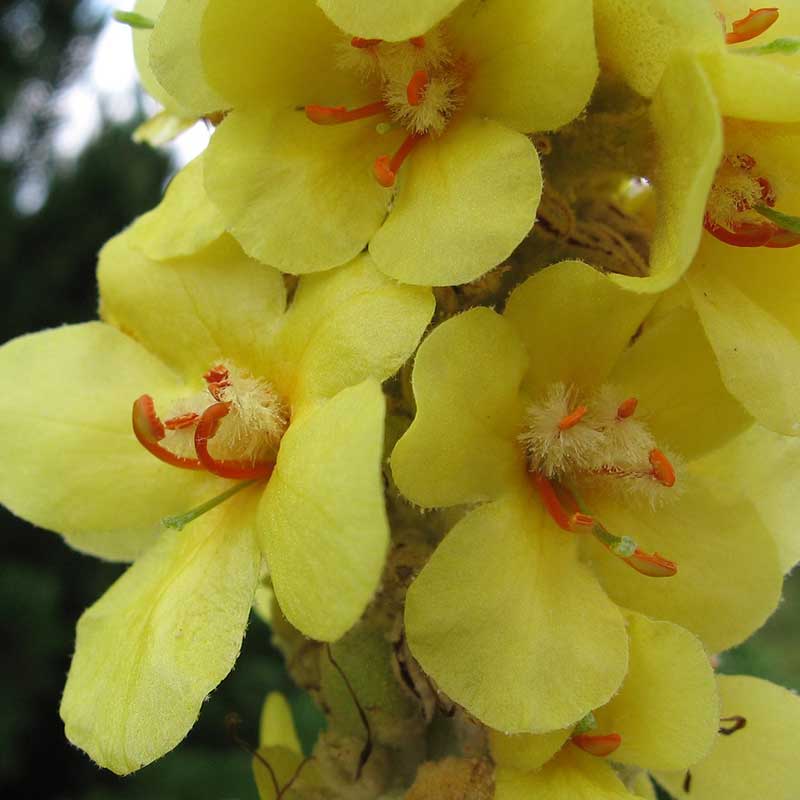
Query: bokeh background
{"points": [[70, 178]]}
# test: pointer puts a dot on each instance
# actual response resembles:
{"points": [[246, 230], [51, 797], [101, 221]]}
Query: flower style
{"points": [[271, 419], [327, 129], [546, 417], [665, 717]]}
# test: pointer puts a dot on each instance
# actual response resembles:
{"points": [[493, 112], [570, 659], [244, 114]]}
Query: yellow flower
{"points": [[665, 717], [304, 193], [280, 407], [532, 414]]}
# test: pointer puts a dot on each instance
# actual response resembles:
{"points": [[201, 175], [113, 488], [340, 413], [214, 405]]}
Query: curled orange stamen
{"points": [[663, 471], [335, 115], [149, 430], [598, 745], [206, 429], [627, 408], [183, 421], [361, 44], [386, 168], [572, 419], [651, 564], [568, 519], [415, 91], [417, 41], [753, 25]]}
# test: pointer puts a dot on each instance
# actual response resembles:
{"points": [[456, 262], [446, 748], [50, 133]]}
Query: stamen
{"points": [[183, 421], [335, 115], [149, 430], [753, 25], [652, 564], [180, 521], [572, 419], [415, 90], [598, 745], [417, 41], [627, 408], [570, 521], [663, 471], [361, 44], [217, 378], [386, 168], [238, 470], [745, 235]]}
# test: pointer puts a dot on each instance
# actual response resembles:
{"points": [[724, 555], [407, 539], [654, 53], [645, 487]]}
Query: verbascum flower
{"points": [[260, 431], [665, 717], [411, 143], [573, 442]]}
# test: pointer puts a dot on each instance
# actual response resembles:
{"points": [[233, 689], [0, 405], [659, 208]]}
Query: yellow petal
{"points": [[395, 21], [464, 202], [161, 638], [758, 761], [509, 47], [667, 717], [642, 786], [322, 521], [689, 142], [175, 56], [276, 727], [575, 323], [184, 222], [192, 312], [720, 546], [672, 371], [296, 195], [526, 751], [461, 446], [328, 341], [570, 776], [161, 128], [637, 38], [68, 458], [511, 626]]}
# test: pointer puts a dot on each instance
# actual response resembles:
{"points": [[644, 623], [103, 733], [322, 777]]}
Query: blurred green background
{"points": [[60, 200]]}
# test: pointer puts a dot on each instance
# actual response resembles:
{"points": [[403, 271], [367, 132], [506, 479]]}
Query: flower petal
{"points": [[729, 576], [464, 202], [461, 446], [322, 520], [760, 760], [667, 718], [511, 626], [69, 460], [276, 727], [509, 49], [161, 638], [526, 751], [575, 323], [642, 786], [184, 222], [328, 341], [395, 21], [192, 312], [296, 195]]}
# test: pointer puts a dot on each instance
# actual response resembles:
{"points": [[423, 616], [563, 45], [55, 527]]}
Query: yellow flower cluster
{"points": [[527, 535]]}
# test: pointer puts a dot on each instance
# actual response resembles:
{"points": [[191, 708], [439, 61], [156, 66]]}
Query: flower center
{"points": [[420, 84], [572, 445], [231, 429]]}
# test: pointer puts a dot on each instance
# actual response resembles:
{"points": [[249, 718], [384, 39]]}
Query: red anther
{"points": [[568, 519], [651, 564], [183, 421], [767, 192], [627, 408], [206, 429], [361, 44], [742, 160], [753, 25], [573, 418], [415, 91], [417, 41], [598, 745], [663, 471], [386, 168], [335, 115], [217, 379], [149, 430], [745, 235]]}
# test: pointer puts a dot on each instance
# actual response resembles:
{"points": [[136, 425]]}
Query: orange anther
{"points": [[386, 168], [206, 429], [335, 115], [415, 91], [744, 235], [598, 745], [149, 431], [182, 421], [217, 379], [361, 44], [417, 41], [627, 408], [572, 419], [651, 564], [568, 519], [663, 471], [753, 25]]}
